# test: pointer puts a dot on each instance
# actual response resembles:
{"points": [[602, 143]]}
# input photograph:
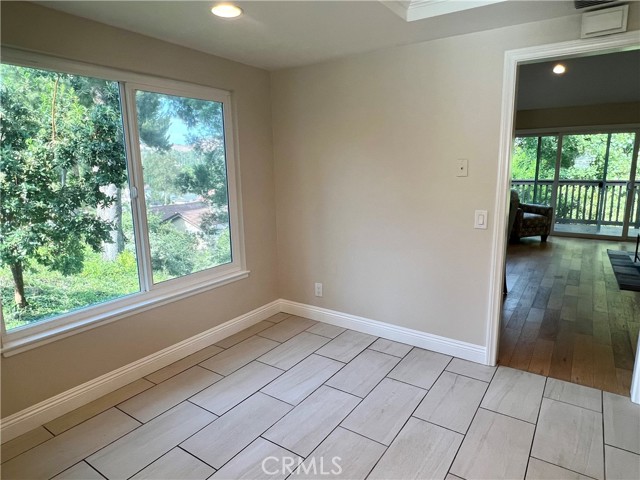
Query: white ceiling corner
{"points": [[411, 10]]}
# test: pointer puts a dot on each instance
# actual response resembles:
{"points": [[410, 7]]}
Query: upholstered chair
{"points": [[530, 220]]}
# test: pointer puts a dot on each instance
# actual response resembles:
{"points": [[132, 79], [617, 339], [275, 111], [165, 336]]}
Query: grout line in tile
{"points": [[568, 403], [263, 363], [104, 446], [285, 448], [405, 422], [472, 420], [276, 398], [535, 427], [30, 448], [397, 356], [339, 424], [361, 435], [332, 430], [384, 353], [344, 391], [172, 406], [472, 378], [439, 426], [374, 387], [92, 467], [130, 416], [302, 360], [80, 423], [93, 416], [550, 463], [176, 446], [258, 335], [620, 448], [241, 366], [203, 408], [196, 457], [246, 446], [410, 384], [332, 358], [175, 374], [505, 415]]}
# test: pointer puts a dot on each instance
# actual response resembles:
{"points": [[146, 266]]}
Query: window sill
{"points": [[44, 332]]}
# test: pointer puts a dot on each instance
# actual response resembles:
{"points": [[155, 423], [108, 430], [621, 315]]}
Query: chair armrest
{"points": [[537, 209], [517, 223]]}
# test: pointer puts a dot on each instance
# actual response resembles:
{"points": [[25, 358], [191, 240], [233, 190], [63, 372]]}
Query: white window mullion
{"points": [[234, 199], [136, 185]]}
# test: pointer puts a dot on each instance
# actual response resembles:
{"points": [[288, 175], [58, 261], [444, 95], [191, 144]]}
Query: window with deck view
{"points": [[590, 179]]}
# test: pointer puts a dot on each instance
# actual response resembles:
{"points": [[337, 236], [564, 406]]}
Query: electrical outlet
{"points": [[318, 289]]}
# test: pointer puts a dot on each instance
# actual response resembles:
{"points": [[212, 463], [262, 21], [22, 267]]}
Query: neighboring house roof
{"points": [[191, 212]]}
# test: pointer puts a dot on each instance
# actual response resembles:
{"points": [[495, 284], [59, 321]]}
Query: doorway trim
{"points": [[512, 59]]}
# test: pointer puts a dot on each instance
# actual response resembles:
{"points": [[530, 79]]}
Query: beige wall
{"points": [[588, 115], [367, 199], [365, 190], [37, 374]]}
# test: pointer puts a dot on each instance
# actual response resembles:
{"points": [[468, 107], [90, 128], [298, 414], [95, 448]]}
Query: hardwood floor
{"points": [[564, 315]]}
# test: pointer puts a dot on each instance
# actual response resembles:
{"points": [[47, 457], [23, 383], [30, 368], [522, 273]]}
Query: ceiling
{"points": [[280, 34], [593, 80]]}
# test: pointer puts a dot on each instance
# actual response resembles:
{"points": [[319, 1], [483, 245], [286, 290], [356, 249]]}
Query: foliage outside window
{"points": [[72, 235], [585, 176]]}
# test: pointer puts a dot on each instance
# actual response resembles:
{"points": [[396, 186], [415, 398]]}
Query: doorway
{"points": [[553, 186]]}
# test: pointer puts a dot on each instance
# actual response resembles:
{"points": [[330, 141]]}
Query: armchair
{"points": [[530, 220]]}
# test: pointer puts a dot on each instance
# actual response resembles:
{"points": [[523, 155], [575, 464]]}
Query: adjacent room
{"points": [[574, 171], [266, 239]]}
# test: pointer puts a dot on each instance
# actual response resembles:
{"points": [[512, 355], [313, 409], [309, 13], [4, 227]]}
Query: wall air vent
{"points": [[605, 21], [590, 3]]}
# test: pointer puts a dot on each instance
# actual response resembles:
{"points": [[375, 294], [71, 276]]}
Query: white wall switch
{"points": [[481, 219], [462, 167], [318, 289]]}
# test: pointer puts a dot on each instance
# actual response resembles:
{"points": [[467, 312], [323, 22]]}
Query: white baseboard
{"points": [[45, 411], [447, 346]]}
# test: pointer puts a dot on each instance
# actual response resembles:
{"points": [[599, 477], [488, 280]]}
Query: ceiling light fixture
{"points": [[226, 10], [559, 69]]}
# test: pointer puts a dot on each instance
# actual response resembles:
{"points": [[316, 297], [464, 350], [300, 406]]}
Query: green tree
{"points": [[161, 170], [171, 249], [59, 151], [207, 176], [153, 121]]}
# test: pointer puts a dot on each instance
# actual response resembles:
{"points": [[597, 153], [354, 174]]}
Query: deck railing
{"points": [[583, 201]]}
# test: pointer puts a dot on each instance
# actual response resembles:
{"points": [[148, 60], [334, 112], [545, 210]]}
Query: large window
{"points": [[183, 159], [588, 178], [115, 194]]}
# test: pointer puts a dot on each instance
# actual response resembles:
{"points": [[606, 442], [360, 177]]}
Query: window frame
{"points": [[150, 295]]}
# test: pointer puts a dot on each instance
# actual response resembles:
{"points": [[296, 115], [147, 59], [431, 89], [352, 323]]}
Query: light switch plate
{"points": [[480, 220], [462, 167]]}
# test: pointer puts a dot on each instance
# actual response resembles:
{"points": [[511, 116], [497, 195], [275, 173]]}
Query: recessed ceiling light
{"points": [[226, 10], [559, 69]]}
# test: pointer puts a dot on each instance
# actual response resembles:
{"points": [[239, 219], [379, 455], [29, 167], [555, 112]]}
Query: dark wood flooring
{"points": [[564, 315]]}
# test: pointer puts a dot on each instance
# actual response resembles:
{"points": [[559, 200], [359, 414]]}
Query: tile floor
{"points": [[292, 392]]}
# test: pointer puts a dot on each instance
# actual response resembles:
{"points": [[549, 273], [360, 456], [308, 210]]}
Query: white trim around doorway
{"points": [[512, 59]]}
